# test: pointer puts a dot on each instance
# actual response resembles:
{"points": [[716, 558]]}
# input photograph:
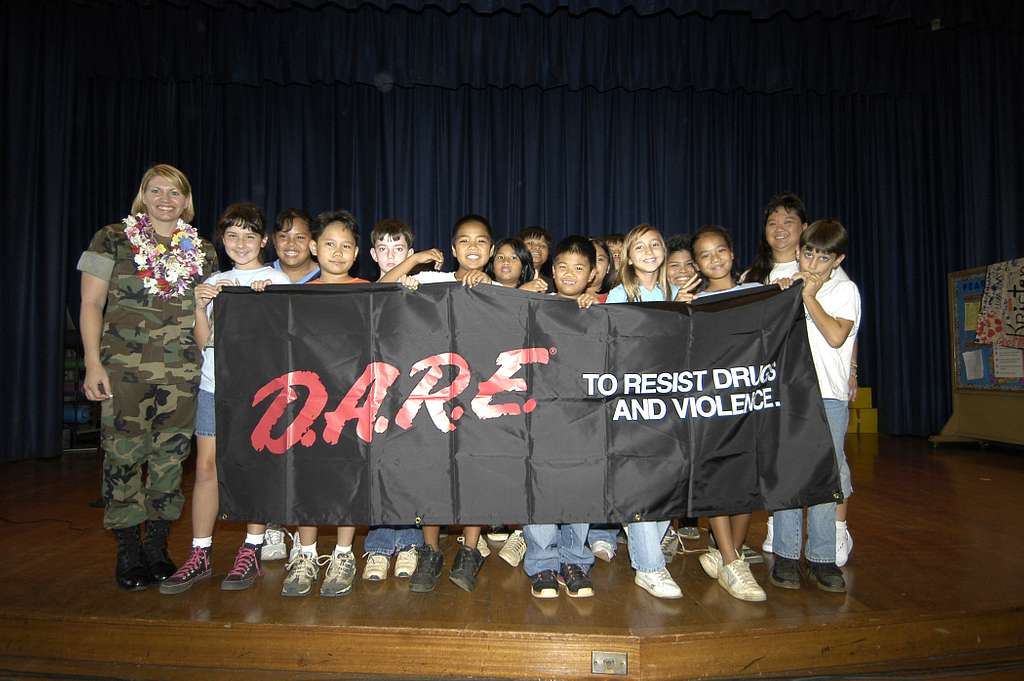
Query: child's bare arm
{"points": [[409, 264], [585, 300], [835, 330], [475, 277]]}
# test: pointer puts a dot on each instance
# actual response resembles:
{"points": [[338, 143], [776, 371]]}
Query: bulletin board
{"points": [[974, 364], [988, 399]]}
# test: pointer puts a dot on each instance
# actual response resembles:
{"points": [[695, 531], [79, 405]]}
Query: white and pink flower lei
{"points": [[165, 272]]}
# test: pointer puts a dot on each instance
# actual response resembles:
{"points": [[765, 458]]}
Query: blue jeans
{"points": [[605, 533], [645, 545], [388, 540], [838, 414], [821, 519], [821, 533], [548, 546]]}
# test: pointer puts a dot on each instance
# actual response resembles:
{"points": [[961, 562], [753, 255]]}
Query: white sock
{"points": [[254, 539], [308, 550], [340, 550], [841, 525], [202, 542]]}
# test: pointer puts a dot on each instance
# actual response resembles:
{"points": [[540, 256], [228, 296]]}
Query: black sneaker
{"points": [[826, 576], [245, 570], [465, 568], [544, 584], [428, 570], [786, 573], [575, 580]]}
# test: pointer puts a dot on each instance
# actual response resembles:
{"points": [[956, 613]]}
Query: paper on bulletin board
{"points": [[974, 365], [971, 309], [1007, 362]]}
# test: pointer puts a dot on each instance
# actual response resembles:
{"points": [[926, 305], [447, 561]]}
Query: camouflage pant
{"points": [[147, 425]]}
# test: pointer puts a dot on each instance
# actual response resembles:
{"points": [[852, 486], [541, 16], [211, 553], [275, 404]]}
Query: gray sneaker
{"points": [[340, 573], [302, 572]]}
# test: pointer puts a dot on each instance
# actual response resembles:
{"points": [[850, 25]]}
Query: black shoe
{"points": [[154, 550], [575, 580], [428, 569], [826, 576], [786, 573], [544, 584], [465, 568], [132, 573]]}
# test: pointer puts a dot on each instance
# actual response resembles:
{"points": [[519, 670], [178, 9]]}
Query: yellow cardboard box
{"points": [[851, 427], [863, 400], [867, 420]]}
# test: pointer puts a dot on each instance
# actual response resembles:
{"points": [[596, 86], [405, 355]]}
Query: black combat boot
{"points": [[132, 573], [154, 550]]}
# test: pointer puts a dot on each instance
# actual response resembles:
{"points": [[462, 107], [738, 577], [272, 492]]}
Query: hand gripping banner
{"points": [[372, 404]]}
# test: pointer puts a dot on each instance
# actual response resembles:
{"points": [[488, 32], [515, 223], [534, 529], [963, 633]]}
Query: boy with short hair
{"points": [[472, 246], [392, 242], [557, 554], [614, 242], [833, 313]]}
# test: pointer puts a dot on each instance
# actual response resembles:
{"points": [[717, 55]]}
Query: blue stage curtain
{"points": [[909, 136]]}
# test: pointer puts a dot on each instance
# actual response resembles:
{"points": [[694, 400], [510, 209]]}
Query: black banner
{"points": [[372, 404]]}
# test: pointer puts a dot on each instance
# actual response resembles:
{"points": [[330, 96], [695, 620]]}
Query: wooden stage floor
{"points": [[934, 583]]}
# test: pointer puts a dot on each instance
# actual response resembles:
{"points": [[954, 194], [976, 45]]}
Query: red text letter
{"points": [[508, 364], [434, 402], [298, 430], [380, 376]]}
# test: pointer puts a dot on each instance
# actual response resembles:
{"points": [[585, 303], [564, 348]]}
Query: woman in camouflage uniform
{"points": [[142, 363]]}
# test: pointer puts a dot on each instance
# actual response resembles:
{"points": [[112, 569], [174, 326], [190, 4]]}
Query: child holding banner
{"points": [[833, 315], [785, 219], [644, 279], [472, 246], [713, 252], [557, 555], [392, 243], [336, 246], [242, 232]]}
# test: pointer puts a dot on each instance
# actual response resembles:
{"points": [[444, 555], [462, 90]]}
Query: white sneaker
{"points": [[767, 545], [302, 572], [844, 544], [274, 547], [405, 562], [736, 579], [603, 550], [514, 549], [711, 561], [376, 568], [659, 584], [481, 545]]}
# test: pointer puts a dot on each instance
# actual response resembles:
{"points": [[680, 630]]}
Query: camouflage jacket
{"points": [[145, 338]]}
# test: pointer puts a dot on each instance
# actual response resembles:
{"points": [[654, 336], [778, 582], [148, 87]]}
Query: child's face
{"points": [[335, 249], [292, 245], [539, 250], [680, 267], [814, 261], [600, 269], [390, 251], [163, 200], [714, 257], [507, 266], [782, 231], [647, 252], [572, 273], [472, 246], [616, 252], [243, 246]]}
